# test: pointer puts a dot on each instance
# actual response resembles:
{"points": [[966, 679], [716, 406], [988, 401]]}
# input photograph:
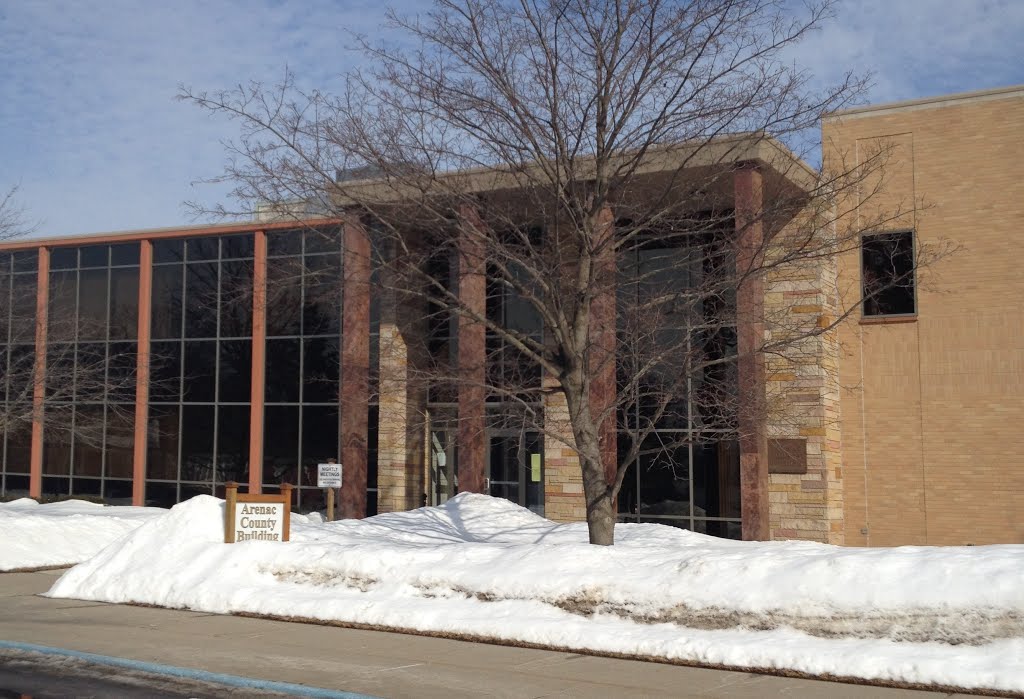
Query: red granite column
{"points": [[35, 479], [354, 390], [472, 360], [603, 392], [142, 373], [753, 439], [258, 373]]}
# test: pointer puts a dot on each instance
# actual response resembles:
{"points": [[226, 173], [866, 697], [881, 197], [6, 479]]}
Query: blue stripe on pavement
{"points": [[187, 673]]}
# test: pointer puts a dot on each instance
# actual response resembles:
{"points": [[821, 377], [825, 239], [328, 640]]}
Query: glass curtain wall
{"points": [[201, 362], [687, 473], [303, 358], [515, 449], [89, 429], [18, 274]]}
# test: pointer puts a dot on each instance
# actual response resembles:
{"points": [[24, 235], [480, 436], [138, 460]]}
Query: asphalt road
{"points": [[369, 662]]}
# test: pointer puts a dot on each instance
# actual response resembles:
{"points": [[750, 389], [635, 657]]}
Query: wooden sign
{"points": [[257, 517]]}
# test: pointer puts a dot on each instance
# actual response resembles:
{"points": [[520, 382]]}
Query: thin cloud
{"points": [[94, 137]]}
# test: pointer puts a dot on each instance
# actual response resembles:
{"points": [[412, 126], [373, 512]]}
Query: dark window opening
{"points": [[887, 274]]}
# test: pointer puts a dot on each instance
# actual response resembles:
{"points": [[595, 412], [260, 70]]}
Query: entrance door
{"points": [[515, 468]]}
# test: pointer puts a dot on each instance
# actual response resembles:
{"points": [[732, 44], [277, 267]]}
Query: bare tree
{"points": [[576, 157]]}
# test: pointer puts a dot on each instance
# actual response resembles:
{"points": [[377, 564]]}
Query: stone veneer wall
{"points": [[563, 481], [803, 395]]}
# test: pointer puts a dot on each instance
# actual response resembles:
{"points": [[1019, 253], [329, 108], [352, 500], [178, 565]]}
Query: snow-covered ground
{"points": [[484, 567], [62, 533]]}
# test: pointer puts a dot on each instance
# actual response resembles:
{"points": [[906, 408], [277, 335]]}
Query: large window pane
{"points": [[124, 254], [283, 357], [284, 296], [197, 443], [320, 371], [92, 304], [95, 256], [664, 467], [284, 243], [167, 301], [236, 299], [23, 308], [124, 303], [165, 372], [122, 365], [201, 285], [281, 445], [319, 439], [120, 441], [63, 311], [25, 260], [90, 372], [200, 382], [172, 250], [233, 443], [202, 248], [90, 422], [236, 246], [235, 371], [63, 258], [162, 443]]}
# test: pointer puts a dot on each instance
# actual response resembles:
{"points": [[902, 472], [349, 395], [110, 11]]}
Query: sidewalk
{"points": [[370, 662]]}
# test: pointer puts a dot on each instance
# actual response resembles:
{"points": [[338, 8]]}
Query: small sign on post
{"points": [[328, 476], [250, 517]]}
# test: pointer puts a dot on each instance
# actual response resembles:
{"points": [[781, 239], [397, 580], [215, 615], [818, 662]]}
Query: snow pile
{"points": [[62, 533], [484, 567]]}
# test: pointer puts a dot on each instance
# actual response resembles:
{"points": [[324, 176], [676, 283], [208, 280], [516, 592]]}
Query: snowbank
{"points": [[62, 533], [485, 567]]}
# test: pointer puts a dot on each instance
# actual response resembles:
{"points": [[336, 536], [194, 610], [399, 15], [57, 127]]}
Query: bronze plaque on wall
{"points": [[787, 456]]}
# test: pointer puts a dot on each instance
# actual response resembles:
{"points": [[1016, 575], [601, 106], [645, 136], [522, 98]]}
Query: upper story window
{"points": [[888, 275]]}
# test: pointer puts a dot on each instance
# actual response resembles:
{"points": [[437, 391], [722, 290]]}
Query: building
{"points": [[176, 358]]}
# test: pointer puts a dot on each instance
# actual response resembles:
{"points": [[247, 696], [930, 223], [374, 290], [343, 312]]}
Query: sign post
{"points": [[256, 517], [329, 476]]}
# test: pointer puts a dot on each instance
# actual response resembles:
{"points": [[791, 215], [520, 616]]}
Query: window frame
{"points": [[882, 317]]}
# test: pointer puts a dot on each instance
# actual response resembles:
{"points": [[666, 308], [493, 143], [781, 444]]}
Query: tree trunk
{"points": [[596, 489], [600, 513]]}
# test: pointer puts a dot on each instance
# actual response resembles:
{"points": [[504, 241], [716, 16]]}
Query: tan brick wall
{"points": [[932, 410]]}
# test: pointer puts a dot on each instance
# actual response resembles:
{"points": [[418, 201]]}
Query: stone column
{"points": [[472, 356], [354, 392], [401, 426], [753, 441]]}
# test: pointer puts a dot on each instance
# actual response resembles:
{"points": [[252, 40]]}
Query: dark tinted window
{"points": [[168, 251], [124, 254], [64, 258], [887, 274], [95, 256]]}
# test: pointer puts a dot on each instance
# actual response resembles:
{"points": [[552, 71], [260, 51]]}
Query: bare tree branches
{"points": [[553, 122]]}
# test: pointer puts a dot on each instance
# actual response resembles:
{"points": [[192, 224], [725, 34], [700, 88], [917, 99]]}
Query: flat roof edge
{"points": [[102, 238], [930, 102]]}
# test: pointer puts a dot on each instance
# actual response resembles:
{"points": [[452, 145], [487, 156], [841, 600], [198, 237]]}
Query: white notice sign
{"points": [[259, 521], [328, 475]]}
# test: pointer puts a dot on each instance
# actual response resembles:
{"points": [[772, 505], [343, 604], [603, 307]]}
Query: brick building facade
{"points": [[893, 425]]}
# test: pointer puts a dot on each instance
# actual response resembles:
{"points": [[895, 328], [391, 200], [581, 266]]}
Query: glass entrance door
{"points": [[515, 468]]}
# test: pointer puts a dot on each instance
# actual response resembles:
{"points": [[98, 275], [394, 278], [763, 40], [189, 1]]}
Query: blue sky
{"points": [[92, 135]]}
